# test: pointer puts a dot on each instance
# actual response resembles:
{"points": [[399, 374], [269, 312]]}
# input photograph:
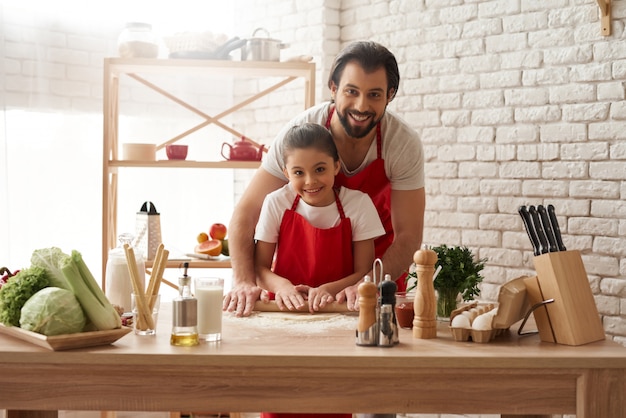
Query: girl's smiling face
{"points": [[311, 173]]}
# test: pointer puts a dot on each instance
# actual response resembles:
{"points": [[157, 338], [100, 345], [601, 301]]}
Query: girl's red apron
{"points": [[313, 256], [373, 180]]}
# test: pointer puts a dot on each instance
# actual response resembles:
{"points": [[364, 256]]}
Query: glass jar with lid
{"points": [[138, 41]]}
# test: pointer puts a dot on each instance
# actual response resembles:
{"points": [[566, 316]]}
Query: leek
{"points": [[91, 297]]}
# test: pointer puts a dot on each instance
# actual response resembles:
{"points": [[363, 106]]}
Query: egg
{"points": [[470, 315], [460, 321], [482, 322]]}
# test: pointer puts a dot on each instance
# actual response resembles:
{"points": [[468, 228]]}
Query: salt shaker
{"points": [[185, 314]]}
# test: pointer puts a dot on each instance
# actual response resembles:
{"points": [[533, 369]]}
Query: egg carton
{"points": [[482, 333], [496, 318]]}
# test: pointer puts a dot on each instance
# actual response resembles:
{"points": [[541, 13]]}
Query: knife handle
{"points": [[556, 229], [547, 228], [543, 242], [529, 229]]}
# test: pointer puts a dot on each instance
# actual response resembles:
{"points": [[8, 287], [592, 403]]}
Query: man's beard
{"points": [[358, 132]]}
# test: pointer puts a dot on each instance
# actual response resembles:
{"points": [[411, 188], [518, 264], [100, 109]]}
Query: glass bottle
{"points": [[117, 280], [185, 314]]}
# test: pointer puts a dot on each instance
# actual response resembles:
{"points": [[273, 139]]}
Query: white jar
{"points": [[138, 41], [117, 282]]}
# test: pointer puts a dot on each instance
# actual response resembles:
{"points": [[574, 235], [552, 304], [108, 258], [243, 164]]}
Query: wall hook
{"points": [[605, 16]]}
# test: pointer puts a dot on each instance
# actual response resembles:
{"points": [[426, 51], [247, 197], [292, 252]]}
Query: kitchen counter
{"points": [[282, 365]]}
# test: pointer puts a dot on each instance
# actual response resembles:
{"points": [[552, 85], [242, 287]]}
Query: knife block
{"points": [[572, 318]]}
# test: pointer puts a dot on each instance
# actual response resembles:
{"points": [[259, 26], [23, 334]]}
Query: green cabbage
{"points": [[53, 311]]}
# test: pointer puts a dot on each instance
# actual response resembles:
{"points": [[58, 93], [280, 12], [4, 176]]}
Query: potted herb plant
{"points": [[460, 274]]}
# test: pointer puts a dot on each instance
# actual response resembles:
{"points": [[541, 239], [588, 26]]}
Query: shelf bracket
{"points": [[605, 16]]}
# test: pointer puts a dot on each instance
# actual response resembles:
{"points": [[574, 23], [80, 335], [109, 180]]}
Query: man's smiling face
{"points": [[360, 99]]}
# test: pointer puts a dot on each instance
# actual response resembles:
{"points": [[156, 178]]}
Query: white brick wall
{"points": [[517, 101]]}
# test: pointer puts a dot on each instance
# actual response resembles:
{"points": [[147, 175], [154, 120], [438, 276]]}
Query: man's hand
{"points": [[242, 297], [351, 295]]}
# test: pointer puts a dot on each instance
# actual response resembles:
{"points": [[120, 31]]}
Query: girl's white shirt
{"points": [[357, 206]]}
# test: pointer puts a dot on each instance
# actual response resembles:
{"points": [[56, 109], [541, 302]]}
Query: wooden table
{"points": [[276, 365]]}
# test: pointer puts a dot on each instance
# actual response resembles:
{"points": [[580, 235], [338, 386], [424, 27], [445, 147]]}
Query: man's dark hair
{"points": [[370, 56]]}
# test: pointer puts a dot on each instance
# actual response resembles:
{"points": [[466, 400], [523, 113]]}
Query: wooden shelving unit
{"points": [[136, 68]]}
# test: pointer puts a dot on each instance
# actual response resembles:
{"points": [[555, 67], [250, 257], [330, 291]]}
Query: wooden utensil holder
{"points": [[572, 318]]}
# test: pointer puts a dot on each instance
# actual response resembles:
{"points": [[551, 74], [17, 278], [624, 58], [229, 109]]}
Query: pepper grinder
{"points": [[425, 303], [388, 324], [367, 326], [185, 314]]}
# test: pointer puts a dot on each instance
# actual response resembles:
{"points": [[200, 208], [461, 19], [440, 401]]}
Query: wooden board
{"points": [[66, 341]]}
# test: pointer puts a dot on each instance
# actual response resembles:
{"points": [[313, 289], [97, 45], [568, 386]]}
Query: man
{"points": [[380, 155]]}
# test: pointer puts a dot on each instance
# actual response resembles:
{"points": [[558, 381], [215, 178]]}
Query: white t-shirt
{"points": [[401, 149], [356, 205]]}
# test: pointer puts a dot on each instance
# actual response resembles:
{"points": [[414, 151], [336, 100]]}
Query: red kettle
{"points": [[242, 150]]}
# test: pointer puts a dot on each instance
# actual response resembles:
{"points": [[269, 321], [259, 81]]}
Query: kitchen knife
{"points": [[543, 241], [547, 228], [556, 229], [530, 230]]}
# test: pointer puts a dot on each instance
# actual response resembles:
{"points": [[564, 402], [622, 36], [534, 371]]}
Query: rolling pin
{"points": [[271, 306]]}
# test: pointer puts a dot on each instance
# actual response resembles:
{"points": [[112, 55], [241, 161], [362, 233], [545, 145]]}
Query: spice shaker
{"points": [[367, 326], [185, 314], [387, 322]]}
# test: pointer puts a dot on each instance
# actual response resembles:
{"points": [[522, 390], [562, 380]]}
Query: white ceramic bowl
{"points": [[139, 152]]}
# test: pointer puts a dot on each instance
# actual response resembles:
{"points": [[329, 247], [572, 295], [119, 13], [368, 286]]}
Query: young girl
{"points": [[313, 240]]}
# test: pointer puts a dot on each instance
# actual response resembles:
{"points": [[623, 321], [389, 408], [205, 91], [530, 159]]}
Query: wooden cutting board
{"points": [[66, 341]]}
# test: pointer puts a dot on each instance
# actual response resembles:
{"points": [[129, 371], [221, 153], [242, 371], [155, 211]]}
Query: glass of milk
{"points": [[209, 291]]}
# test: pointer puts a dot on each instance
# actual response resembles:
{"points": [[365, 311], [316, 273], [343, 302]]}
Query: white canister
{"points": [[139, 152], [117, 282]]}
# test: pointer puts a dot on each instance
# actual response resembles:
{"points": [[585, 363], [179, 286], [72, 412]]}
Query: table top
{"points": [[327, 339], [268, 363]]}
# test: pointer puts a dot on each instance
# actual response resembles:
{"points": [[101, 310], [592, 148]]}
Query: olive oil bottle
{"points": [[185, 314]]}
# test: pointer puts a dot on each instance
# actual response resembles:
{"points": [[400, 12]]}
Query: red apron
{"points": [[373, 181], [313, 256]]}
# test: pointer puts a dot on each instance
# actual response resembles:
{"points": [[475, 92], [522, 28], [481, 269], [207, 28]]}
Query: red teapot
{"points": [[242, 150]]}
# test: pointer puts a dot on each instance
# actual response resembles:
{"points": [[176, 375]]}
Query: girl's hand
{"points": [[318, 297], [289, 297]]}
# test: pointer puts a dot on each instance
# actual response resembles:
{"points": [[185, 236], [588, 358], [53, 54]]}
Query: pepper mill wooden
{"points": [[425, 303], [367, 330]]}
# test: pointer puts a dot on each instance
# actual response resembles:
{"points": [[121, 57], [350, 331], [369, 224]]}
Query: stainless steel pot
{"points": [[262, 48]]}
